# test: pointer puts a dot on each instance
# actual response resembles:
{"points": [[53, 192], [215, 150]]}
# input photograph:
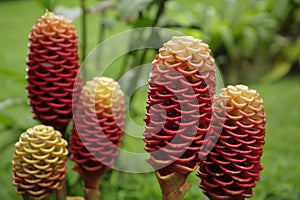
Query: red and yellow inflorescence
{"points": [[99, 121], [233, 166], [181, 85], [52, 70]]}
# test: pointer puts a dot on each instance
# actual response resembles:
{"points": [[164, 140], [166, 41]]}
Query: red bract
{"points": [[181, 86], [97, 131], [232, 168], [52, 70]]}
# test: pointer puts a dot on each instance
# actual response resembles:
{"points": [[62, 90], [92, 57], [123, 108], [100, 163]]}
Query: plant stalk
{"points": [[61, 193], [84, 33], [173, 186], [91, 194], [91, 181]]}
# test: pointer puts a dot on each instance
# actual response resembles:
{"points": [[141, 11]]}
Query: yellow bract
{"points": [[53, 25], [187, 49], [39, 161], [242, 103], [102, 92]]}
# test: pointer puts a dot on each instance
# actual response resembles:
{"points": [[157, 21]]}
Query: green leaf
{"points": [[279, 71], [194, 33], [8, 72], [72, 175], [128, 8], [249, 41], [228, 39], [292, 50], [11, 73], [6, 140], [10, 102], [48, 4], [281, 9], [5, 120], [142, 22]]}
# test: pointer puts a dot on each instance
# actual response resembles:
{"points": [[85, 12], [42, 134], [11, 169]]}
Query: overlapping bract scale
{"points": [[98, 127], [52, 70], [232, 168], [39, 162], [181, 85]]}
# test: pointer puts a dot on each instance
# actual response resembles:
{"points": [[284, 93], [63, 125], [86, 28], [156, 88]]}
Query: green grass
{"points": [[279, 180], [281, 158]]}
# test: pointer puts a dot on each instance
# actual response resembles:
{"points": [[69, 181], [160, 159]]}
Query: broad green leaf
{"points": [[281, 9], [228, 40], [10, 102], [5, 120], [128, 8], [8, 72], [71, 174], [183, 17], [142, 22], [194, 33], [279, 71], [6, 139], [249, 41], [293, 50], [11, 73]]}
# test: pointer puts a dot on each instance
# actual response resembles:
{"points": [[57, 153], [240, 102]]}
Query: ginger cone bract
{"points": [[52, 68], [232, 168], [39, 162], [181, 85], [97, 131]]}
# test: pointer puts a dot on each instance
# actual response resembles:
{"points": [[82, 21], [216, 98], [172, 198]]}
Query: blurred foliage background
{"points": [[253, 42]]}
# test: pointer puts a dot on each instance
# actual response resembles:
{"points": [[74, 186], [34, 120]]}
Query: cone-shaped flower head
{"points": [[98, 127], [39, 162], [181, 85], [52, 70], [232, 168]]}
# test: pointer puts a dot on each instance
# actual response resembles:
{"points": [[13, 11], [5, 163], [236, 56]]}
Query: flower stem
{"points": [[91, 181], [61, 193], [84, 33], [173, 186], [91, 194]]}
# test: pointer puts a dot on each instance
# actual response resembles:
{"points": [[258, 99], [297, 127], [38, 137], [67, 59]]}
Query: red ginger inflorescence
{"points": [[99, 121], [52, 70], [39, 162], [181, 85], [233, 166]]}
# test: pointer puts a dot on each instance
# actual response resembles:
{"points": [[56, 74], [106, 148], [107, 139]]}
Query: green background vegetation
{"points": [[254, 42]]}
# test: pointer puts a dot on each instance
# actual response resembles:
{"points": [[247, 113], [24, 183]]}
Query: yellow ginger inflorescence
{"points": [[39, 162]]}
